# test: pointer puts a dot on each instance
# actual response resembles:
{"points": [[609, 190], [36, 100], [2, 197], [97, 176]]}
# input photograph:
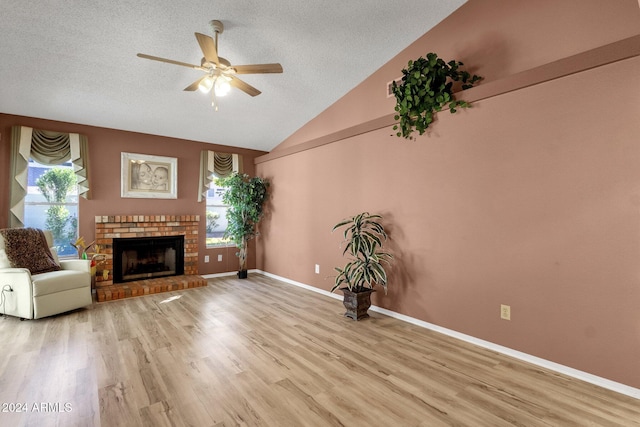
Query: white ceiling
{"points": [[75, 61]]}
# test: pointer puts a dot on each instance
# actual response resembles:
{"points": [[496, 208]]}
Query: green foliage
{"points": [[364, 236], [245, 197], [212, 221], [425, 89], [216, 241], [59, 222], [55, 185]]}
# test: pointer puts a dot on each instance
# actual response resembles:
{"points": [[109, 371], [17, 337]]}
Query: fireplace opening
{"points": [[147, 257]]}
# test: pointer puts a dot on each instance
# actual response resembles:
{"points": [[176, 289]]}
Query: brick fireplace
{"points": [[136, 226]]}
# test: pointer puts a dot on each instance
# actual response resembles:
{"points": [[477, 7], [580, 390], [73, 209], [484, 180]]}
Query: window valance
{"points": [[47, 148], [216, 165]]}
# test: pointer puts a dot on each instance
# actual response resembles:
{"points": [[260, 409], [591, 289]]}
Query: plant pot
{"points": [[357, 303], [242, 274]]}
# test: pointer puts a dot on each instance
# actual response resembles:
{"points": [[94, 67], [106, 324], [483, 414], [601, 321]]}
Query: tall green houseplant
{"points": [[364, 236], [245, 197]]}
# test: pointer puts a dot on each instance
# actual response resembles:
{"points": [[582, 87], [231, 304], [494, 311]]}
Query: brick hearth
{"points": [[124, 226], [148, 286]]}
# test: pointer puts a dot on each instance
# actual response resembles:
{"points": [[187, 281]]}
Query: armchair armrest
{"points": [[16, 278], [19, 300], [76, 264]]}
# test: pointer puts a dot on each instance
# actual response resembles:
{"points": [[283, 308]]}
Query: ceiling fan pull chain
{"points": [[214, 104]]}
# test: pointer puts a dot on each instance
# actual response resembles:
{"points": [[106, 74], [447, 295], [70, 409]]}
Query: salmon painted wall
{"points": [[495, 39], [530, 199], [105, 146]]}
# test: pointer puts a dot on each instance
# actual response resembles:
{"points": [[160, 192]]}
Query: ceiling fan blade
{"points": [[193, 86], [245, 87], [257, 68], [169, 61], [208, 48]]}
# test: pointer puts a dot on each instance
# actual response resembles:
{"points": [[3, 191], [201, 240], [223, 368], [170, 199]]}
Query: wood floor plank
{"points": [[259, 352]]}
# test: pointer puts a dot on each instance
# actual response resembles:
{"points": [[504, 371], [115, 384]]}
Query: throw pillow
{"points": [[27, 248]]}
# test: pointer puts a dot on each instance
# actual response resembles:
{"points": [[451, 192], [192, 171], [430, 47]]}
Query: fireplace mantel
{"points": [[124, 226]]}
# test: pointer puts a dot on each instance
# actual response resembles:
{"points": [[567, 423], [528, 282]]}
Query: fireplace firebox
{"points": [[141, 258]]}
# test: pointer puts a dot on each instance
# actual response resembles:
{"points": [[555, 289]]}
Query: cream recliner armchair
{"points": [[32, 296]]}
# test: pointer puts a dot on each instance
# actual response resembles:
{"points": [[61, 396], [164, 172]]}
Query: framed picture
{"points": [[149, 177]]}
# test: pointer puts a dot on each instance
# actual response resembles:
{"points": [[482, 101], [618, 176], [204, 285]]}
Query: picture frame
{"points": [[149, 177]]}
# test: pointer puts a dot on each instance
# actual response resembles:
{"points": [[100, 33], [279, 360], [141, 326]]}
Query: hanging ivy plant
{"points": [[425, 89]]}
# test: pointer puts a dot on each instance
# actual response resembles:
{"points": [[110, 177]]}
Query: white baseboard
{"points": [[562, 369], [211, 276], [228, 273]]}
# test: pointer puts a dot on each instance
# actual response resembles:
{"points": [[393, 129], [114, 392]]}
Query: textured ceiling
{"points": [[75, 61]]}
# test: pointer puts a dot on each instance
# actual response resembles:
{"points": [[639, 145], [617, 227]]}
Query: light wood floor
{"points": [[259, 352]]}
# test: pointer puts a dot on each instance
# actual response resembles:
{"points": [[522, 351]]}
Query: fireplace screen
{"points": [[147, 257]]}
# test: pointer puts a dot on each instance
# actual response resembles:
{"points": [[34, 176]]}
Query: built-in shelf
{"points": [[613, 52]]}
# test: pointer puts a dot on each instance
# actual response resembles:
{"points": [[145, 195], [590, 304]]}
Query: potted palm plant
{"points": [[363, 239], [245, 197]]}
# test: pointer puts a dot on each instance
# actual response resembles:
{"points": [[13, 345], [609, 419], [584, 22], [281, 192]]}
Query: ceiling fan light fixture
{"points": [[222, 86], [219, 73], [205, 84]]}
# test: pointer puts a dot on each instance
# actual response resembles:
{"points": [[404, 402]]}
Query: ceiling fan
{"points": [[219, 75]]}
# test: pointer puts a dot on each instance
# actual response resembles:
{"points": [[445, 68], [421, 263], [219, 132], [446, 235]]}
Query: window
{"points": [[56, 208], [216, 214]]}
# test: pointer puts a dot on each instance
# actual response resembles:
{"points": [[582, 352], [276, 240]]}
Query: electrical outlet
{"points": [[206, 258], [219, 257], [317, 268], [505, 312]]}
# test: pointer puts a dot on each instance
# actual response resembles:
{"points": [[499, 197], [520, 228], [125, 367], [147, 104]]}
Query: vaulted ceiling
{"points": [[75, 61]]}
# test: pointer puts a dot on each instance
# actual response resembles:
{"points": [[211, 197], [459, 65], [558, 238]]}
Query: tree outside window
{"points": [[52, 203]]}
